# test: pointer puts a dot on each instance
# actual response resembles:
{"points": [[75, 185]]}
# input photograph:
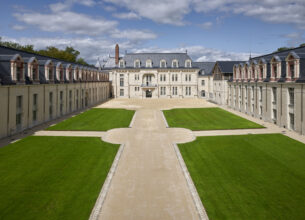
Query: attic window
{"points": [[274, 70], [35, 75], [70, 75], [175, 64], [188, 64], [121, 64], [148, 63], [137, 64], [291, 69], [163, 64]]}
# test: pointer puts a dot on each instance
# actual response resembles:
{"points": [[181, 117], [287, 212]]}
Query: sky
{"points": [[207, 30]]}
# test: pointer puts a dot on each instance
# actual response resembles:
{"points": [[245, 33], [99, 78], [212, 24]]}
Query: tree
{"points": [[283, 48], [69, 54]]}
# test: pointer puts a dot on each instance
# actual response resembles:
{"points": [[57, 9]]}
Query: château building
{"points": [[35, 89], [271, 87], [158, 75]]}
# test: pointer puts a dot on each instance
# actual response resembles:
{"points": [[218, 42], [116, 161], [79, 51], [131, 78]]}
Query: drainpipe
{"points": [[8, 111], [302, 109]]}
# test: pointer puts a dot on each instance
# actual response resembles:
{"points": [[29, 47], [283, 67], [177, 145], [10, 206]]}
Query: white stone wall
{"points": [[94, 92], [135, 83]]}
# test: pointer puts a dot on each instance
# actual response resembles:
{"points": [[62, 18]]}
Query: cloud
{"points": [[206, 25], [134, 35], [273, 11], [67, 22], [200, 53], [129, 15], [66, 5], [18, 27], [160, 11], [294, 39]]}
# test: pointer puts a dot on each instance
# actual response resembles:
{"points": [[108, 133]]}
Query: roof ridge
{"points": [[276, 52]]}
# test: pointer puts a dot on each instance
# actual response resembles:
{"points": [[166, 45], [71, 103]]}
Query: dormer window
{"points": [[253, 72], [188, 64], [291, 69], [175, 64], [137, 64], [163, 64], [122, 64], [148, 63], [19, 71], [35, 74], [70, 75], [274, 70]]}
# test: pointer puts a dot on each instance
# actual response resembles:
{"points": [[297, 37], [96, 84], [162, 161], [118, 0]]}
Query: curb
{"points": [[166, 124], [199, 206], [132, 120], [96, 211]]}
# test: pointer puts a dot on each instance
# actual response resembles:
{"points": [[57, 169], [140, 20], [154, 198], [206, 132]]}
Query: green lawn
{"points": [[206, 119], [96, 119], [248, 176], [53, 177]]}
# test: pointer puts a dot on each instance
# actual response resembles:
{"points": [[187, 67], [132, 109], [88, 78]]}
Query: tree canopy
{"points": [[69, 54]]}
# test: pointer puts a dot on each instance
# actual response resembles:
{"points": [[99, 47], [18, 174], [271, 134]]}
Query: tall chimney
{"points": [[117, 54]]}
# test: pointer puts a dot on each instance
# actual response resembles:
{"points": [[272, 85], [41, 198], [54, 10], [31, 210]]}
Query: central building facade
{"points": [[158, 75]]}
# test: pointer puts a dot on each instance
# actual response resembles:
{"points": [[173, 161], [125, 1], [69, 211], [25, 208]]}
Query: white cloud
{"points": [[128, 15], [18, 27], [161, 11], [200, 53], [60, 6], [67, 22], [294, 39], [134, 35], [206, 25]]}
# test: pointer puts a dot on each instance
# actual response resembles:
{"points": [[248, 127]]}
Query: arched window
{"points": [[163, 64], [175, 63], [148, 63], [292, 63], [188, 63], [17, 65], [122, 64], [137, 64], [202, 93]]}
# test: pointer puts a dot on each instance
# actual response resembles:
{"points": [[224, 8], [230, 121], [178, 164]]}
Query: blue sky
{"points": [[208, 30]]}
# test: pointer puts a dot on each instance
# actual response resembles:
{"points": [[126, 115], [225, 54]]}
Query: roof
{"points": [[129, 58], [206, 68], [227, 66]]}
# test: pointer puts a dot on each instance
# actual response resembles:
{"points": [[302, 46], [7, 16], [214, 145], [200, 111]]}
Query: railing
{"points": [[148, 85]]}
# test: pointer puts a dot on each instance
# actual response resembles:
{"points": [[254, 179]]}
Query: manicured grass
{"points": [[53, 177], [96, 119], [248, 176], [206, 119]]}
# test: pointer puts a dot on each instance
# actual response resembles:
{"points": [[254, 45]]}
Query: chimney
{"points": [[117, 54]]}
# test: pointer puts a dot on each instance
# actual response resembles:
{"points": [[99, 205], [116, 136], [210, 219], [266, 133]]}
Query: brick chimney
{"points": [[117, 54]]}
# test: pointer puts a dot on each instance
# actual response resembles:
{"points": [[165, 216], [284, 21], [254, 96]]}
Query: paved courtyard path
{"points": [[148, 182]]}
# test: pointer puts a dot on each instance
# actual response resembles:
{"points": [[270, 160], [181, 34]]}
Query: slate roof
{"points": [[206, 68], [227, 66], [129, 59]]}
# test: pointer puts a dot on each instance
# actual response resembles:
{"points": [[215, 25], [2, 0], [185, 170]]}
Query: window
{"points": [[121, 64], [137, 64], [121, 80], [291, 96], [35, 100], [174, 77], [252, 92], [51, 77], [70, 101], [261, 72], [291, 121], [187, 90], [188, 64], [19, 71], [188, 77], [61, 102], [136, 77], [175, 90], [77, 93], [203, 93], [274, 112], [203, 82], [18, 112], [35, 71], [163, 64], [261, 110], [291, 69], [175, 64], [163, 91], [274, 70], [61, 75], [260, 93], [274, 95], [70, 75], [121, 92], [51, 105], [148, 63], [136, 89]]}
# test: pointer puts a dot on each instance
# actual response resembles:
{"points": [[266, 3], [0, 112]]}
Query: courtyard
{"points": [[241, 170]]}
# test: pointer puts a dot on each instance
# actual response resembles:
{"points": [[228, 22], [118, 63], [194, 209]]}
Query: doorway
{"points": [[148, 94]]}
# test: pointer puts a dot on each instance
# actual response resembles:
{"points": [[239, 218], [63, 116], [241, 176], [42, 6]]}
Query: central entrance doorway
{"points": [[148, 93]]}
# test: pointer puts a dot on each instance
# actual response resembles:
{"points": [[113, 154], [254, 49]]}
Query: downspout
{"points": [[8, 111], [302, 109]]}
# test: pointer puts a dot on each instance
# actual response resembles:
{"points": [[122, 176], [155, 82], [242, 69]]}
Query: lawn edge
{"points": [[164, 118], [191, 186], [97, 209], [133, 119]]}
